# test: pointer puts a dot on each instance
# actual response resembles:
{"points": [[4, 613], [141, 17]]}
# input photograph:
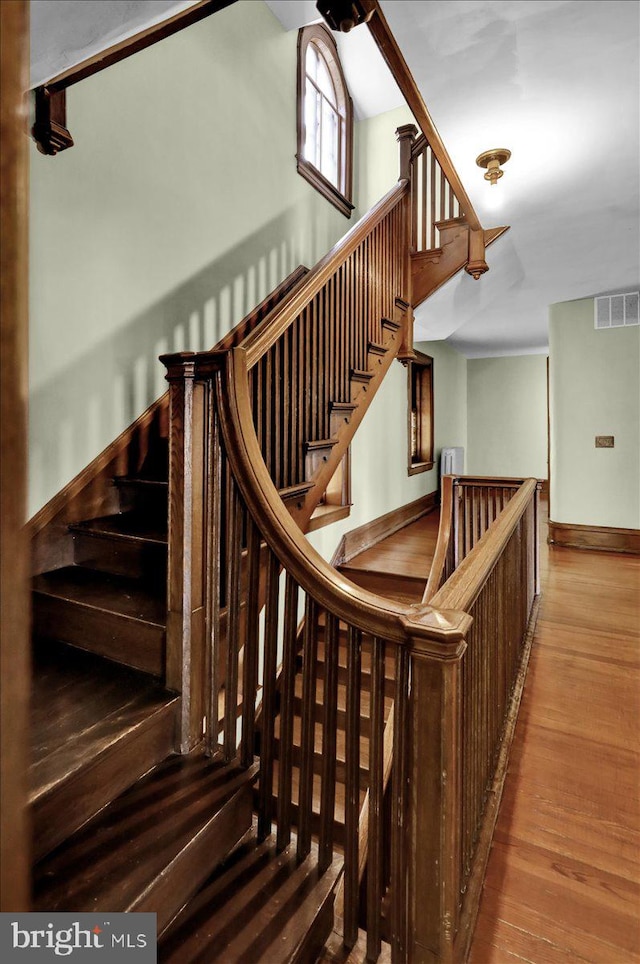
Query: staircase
{"points": [[181, 704]]}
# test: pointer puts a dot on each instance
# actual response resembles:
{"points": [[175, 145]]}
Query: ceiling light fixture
{"points": [[492, 161]]}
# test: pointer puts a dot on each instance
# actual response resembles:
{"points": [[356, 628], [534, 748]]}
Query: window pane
{"points": [[311, 61], [329, 161], [310, 123], [323, 80]]}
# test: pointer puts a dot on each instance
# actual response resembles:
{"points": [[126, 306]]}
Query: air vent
{"points": [[617, 311]]}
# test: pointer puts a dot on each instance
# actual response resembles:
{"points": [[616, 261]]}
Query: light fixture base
{"points": [[492, 161]]}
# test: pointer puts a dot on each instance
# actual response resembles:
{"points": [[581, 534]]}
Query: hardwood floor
{"points": [[563, 878]]}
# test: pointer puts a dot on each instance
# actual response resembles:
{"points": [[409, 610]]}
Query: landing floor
{"points": [[563, 880]]}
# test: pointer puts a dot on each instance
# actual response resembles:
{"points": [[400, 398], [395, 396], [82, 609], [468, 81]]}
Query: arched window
{"points": [[325, 118]]}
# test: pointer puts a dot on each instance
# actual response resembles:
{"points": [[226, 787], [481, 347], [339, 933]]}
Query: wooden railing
{"points": [[311, 358], [461, 671], [433, 198], [468, 506]]}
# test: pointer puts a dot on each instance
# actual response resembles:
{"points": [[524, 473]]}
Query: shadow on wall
{"points": [[76, 415]]}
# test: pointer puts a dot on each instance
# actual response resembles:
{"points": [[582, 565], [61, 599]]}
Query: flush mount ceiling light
{"points": [[492, 161]]}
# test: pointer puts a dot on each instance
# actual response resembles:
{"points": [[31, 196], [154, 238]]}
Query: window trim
{"points": [[319, 34], [420, 363]]}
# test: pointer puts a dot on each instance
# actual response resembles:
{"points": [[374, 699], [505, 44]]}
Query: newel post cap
{"points": [[437, 633]]}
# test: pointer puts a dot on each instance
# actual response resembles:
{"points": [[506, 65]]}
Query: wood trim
{"points": [[339, 196], [139, 41], [277, 321], [598, 538], [386, 42], [420, 362], [15, 613], [369, 534], [324, 515]]}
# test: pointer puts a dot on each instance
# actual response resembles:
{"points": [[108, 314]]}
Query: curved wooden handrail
{"points": [[444, 538], [277, 322], [392, 54], [373, 614], [463, 586]]}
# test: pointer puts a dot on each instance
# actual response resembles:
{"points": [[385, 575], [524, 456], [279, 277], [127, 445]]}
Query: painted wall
{"points": [[176, 211], [379, 479], [377, 155], [594, 379], [507, 416]]}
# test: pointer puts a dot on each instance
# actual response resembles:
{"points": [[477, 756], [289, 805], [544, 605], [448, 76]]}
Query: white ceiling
{"points": [[555, 81]]}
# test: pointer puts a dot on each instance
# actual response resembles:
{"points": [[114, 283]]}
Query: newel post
{"points": [[434, 780], [406, 136], [186, 582]]}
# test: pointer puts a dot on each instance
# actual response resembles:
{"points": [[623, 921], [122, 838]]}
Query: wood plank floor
{"points": [[563, 878], [407, 552]]}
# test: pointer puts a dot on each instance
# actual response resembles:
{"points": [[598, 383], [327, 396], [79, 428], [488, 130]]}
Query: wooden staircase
{"points": [[152, 576]]}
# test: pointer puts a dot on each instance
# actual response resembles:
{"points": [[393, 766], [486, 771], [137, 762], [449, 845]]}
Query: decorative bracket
{"points": [[343, 15], [50, 128]]}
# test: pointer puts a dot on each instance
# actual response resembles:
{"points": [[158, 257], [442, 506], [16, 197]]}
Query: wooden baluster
{"points": [[285, 762], [232, 565], [251, 646], [376, 794], [316, 353], [432, 199], [427, 228], [443, 193], [303, 334], [352, 787], [214, 581], [399, 795], [329, 727], [309, 676], [265, 801]]}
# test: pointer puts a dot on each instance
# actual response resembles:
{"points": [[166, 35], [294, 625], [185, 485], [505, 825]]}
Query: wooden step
{"points": [[109, 615], [340, 415], [317, 756], [317, 452], [365, 704], [95, 729], [130, 544], [261, 907], [359, 381], [295, 494], [394, 586], [154, 846]]}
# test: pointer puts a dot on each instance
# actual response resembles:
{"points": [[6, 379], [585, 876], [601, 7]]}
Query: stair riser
{"points": [[365, 722], [63, 811], [151, 501], [382, 583], [125, 640], [389, 684], [120, 557]]}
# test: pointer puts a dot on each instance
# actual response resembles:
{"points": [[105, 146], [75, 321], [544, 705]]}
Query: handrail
{"points": [[277, 321], [369, 612], [386, 42], [444, 539], [462, 587]]}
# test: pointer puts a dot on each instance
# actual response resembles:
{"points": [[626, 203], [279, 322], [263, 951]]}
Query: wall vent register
{"points": [[617, 311]]}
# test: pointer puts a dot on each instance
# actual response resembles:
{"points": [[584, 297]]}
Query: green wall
{"points": [[507, 420], [594, 381], [377, 155], [176, 211]]}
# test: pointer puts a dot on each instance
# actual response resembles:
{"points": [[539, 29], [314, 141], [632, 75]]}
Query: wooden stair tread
{"points": [[349, 569], [130, 526], [159, 485], [365, 700], [339, 811], [104, 591], [82, 704], [389, 664], [121, 860], [261, 907]]}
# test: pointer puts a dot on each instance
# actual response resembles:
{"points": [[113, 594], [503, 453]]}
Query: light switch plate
{"points": [[604, 441]]}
